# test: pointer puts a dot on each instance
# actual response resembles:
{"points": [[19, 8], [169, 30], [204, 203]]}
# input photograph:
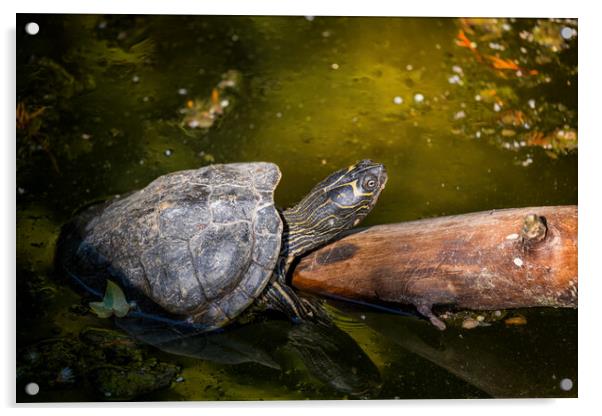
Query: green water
{"points": [[456, 133]]}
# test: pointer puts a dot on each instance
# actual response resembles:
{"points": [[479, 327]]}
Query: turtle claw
{"points": [[438, 323], [426, 311]]}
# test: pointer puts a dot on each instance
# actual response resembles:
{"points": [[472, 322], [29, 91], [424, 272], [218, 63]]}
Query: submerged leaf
{"points": [[100, 309], [114, 302]]}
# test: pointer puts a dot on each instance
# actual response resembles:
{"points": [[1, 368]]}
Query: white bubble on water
{"points": [[454, 79], [459, 115]]}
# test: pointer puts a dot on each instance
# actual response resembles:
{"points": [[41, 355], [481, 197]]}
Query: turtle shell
{"points": [[200, 243]]}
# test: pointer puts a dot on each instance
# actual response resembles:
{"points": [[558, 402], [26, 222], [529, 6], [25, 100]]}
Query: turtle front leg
{"points": [[426, 311], [282, 268], [282, 298]]}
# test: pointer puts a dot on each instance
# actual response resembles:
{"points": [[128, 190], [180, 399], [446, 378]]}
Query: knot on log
{"points": [[533, 231]]}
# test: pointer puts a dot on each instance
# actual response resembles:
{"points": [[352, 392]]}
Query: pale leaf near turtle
{"points": [[114, 302]]}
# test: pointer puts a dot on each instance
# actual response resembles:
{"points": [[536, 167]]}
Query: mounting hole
{"points": [[32, 389], [566, 384], [32, 28]]}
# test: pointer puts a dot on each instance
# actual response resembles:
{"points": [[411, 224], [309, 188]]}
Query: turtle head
{"points": [[336, 204], [349, 194]]}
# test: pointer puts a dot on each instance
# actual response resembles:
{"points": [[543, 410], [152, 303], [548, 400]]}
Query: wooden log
{"points": [[511, 258]]}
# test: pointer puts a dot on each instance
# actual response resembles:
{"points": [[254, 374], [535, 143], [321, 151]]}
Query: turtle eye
{"points": [[370, 183]]}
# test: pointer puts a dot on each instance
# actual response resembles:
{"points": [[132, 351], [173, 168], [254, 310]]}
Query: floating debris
{"points": [[559, 141], [518, 261], [526, 162], [550, 35], [182, 91], [203, 113], [418, 98], [516, 320], [459, 115], [463, 41], [397, 100], [531, 103], [334, 66], [496, 46], [514, 118], [470, 323], [168, 152], [25, 117], [455, 79], [135, 79]]}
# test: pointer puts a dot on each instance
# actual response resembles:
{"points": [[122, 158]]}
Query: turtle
{"points": [[202, 246]]}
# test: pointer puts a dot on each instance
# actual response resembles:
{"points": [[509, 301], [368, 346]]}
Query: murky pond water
{"points": [[466, 115]]}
